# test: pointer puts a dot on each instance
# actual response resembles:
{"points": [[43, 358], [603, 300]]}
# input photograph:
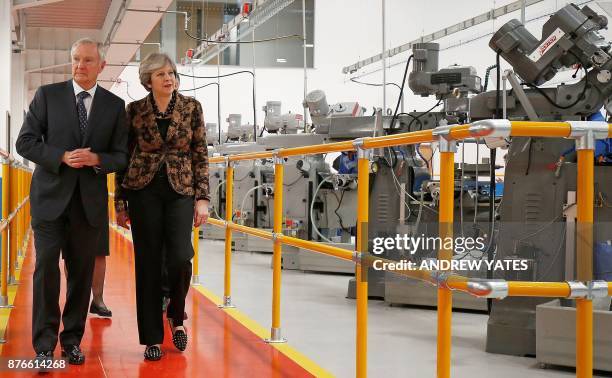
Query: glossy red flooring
{"points": [[218, 345]]}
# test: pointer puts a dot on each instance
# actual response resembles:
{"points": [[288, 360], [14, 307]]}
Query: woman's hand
{"points": [[123, 219], [200, 215]]}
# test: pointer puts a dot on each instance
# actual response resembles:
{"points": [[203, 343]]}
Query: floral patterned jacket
{"points": [[184, 151]]}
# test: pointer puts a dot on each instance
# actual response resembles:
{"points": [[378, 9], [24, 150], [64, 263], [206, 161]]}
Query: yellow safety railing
{"points": [[15, 223], [583, 290]]}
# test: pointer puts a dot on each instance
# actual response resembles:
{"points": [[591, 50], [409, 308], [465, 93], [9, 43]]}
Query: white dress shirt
{"points": [[88, 100]]}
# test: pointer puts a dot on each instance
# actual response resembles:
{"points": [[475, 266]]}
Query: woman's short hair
{"points": [[152, 63]]}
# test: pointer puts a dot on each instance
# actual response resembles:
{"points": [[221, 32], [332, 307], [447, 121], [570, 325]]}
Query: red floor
{"points": [[218, 345]]}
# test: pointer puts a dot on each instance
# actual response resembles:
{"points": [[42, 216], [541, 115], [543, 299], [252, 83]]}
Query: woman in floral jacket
{"points": [[163, 192]]}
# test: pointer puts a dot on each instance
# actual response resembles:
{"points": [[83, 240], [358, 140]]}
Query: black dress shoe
{"points": [[102, 311], [43, 357], [74, 354], [179, 336], [153, 353], [46, 355]]}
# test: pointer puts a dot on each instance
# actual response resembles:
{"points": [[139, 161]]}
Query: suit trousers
{"points": [[73, 235], [160, 218]]}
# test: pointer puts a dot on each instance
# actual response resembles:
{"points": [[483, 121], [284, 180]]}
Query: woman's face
{"points": [[163, 81]]}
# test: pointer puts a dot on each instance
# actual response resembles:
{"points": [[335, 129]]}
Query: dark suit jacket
{"points": [[51, 127], [184, 152]]}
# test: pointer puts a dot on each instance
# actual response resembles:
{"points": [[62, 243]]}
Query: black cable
{"points": [[425, 113], [374, 84], [195, 89], [298, 36], [528, 158], [578, 99], [487, 73], [414, 118], [219, 76], [492, 185], [336, 211], [399, 100], [232, 74], [262, 130]]}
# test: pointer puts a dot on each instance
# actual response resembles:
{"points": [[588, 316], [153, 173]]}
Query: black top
{"points": [[162, 126]]}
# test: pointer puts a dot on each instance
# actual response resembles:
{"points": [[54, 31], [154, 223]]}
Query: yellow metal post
{"points": [[277, 229], [195, 276], [584, 259], [445, 298], [13, 226], [229, 194], [19, 220], [5, 233], [361, 270]]}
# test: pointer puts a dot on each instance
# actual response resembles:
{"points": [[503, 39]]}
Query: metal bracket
{"points": [[442, 134], [357, 257], [597, 289], [495, 132], [577, 289], [277, 159], [488, 289], [227, 302], [440, 278], [275, 337], [275, 236], [228, 163], [491, 128], [587, 132], [362, 153]]}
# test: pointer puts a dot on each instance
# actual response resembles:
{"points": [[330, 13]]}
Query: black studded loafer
{"points": [[179, 336], [74, 354], [153, 353]]}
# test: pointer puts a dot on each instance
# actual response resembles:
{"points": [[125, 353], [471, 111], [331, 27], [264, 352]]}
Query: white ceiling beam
{"points": [[23, 4], [48, 67], [455, 28]]}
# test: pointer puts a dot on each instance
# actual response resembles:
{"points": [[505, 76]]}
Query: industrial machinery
{"points": [[540, 178], [540, 175], [403, 192], [254, 189], [238, 132]]}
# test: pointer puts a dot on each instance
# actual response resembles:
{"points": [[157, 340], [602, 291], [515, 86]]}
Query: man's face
{"points": [[86, 65]]}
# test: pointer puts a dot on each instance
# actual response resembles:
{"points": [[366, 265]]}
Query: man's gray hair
{"points": [[88, 41], [152, 63]]}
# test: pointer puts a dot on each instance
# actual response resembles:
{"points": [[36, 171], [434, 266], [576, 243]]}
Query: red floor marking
{"points": [[218, 345]]}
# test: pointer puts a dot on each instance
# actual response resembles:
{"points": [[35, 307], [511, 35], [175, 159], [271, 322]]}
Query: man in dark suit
{"points": [[75, 132]]}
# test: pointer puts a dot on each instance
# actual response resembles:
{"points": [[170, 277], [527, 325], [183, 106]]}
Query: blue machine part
{"points": [[348, 165], [420, 176], [483, 187], [603, 261]]}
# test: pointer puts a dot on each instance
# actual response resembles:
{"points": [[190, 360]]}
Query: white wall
{"points": [[347, 32], [5, 73]]}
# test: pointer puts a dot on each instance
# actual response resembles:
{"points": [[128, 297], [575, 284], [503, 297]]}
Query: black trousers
{"points": [[73, 235], [160, 218]]}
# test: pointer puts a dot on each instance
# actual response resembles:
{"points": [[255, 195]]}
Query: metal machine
{"points": [[540, 181], [254, 189], [540, 175]]}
